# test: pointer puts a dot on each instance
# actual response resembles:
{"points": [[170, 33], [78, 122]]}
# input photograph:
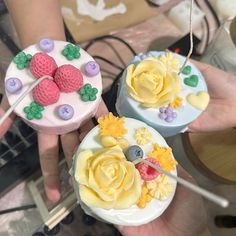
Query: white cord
{"points": [[191, 37], [34, 84], [203, 192]]}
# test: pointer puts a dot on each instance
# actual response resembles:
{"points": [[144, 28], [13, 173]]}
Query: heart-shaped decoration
{"points": [[191, 81], [199, 100], [186, 70]]}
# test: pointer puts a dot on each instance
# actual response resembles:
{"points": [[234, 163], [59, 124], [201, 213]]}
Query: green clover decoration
{"points": [[88, 93], [34, 111], [71, 51], [22, 60]]}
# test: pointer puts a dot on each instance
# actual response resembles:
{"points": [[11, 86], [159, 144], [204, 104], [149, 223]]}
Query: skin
{"points": [[221, 111]]}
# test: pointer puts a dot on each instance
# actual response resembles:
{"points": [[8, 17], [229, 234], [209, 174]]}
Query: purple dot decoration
{"points": [[167, 114], [46, 45], [163, 116], [150, 54], [143, 56], [65, 111], [169, 119], [13, 85], [92, 68]]}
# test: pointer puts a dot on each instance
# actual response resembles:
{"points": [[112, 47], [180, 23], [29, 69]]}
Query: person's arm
{"points": [[35, 19]]}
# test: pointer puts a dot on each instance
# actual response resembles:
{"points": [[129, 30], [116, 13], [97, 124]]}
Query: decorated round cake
{"points": [[69, 88], [108, 184], [156, 89]]}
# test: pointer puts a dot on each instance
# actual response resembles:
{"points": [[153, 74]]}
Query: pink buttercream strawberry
{"points": [[42, 64], [147, 172], [46, 92], [68, 78]]}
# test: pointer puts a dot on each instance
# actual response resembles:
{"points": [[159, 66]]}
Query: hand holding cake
{"points": [[68, 95], [27, 19]]}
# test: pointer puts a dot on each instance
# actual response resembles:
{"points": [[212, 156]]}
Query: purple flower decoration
{"points": [[167, 114]]}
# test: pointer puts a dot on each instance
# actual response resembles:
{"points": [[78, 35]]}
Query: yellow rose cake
{"points": [[154, 90], [109, 186]]}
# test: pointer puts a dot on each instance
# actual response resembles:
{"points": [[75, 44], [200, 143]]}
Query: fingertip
{"points": [[119, 227], [184, 130], [190, 129], [53, 195], [102, 110]]}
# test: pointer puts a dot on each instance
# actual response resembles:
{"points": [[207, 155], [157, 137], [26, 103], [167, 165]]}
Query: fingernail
{"points": [[53, 195], [184, 130]]}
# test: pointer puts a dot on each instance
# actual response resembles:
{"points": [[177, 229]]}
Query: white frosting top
{"points": [[51, 123], [133, 216]]}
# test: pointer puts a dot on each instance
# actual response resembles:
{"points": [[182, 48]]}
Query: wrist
{"points": [[34, 20], [27, 41]]}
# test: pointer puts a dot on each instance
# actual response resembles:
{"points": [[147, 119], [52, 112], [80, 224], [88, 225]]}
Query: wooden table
{"points": [[214, 154]]}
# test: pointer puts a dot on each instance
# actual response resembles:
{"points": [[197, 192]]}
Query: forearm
{"points": [[34, 19]]}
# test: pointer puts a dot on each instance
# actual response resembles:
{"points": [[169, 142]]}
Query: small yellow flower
{"points": [[172, 63], [111, 125], [160, 188], [164, 157], [177, 102], [142, 136], [109, 141]]}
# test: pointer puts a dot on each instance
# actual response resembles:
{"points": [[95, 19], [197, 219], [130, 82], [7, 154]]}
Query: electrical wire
{"points": [[108, 72], [107, 61], [111, 46], [68, 35], [213, 13], [70, 39], [21, 208], [101, 39], [207, 28], [110, 37]]}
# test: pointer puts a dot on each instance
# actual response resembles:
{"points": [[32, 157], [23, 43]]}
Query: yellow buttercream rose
{"points": [[152, 82], [106, 179]]}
